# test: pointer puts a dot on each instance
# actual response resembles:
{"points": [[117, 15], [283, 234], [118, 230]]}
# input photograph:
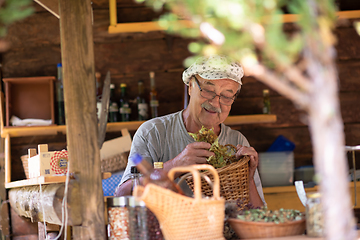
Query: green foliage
{"points": [[250, 26], [224, 155], [13, 10]]}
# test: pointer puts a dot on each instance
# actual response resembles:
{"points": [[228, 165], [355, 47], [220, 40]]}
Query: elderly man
{"points": [[214, 82]]}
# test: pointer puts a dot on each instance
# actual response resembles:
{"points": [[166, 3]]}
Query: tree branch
{"points": [[264, 75], [294, 75]]}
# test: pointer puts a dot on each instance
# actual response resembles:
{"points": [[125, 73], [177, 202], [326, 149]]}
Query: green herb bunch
{"points": [[224, 154]]}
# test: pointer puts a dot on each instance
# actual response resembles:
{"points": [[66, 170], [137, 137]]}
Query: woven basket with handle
{"points": [[234, 181], [183, 217]]}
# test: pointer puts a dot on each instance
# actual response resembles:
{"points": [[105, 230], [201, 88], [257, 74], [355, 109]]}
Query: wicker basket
{"points": [[234, 181], [115, 163], [183, 217], [248, 230]]}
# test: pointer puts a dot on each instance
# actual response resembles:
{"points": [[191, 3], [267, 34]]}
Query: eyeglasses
{"points": [[210, 95]]}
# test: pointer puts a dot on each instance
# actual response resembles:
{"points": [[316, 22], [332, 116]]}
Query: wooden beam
{"points": [[112, 12], [7, 159], [5, 219], [77, 52], [51, 5]]}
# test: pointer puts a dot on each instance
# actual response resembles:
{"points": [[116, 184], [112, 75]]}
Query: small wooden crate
{"points": [[30, 97], [46, 163]]}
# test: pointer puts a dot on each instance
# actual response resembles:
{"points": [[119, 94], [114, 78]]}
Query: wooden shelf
{"points": [[154, 25], [250, 119], [36, 181], [44, 180], [131, 126], [8, 132]]}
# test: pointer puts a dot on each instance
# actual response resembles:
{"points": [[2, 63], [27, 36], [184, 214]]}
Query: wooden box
{"points": [[30, 97], [46, 163]]}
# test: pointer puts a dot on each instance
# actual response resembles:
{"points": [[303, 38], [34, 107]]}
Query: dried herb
{"points": [[224, 154], [232, 209], [265, 215]]}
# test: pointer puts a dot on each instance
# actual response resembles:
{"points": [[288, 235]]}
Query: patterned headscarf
{"points": [[214, 68]]}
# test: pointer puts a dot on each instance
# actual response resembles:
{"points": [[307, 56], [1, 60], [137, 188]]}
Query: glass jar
{"points": [[314, 215], [137, 219], [118, 215], [154, 230]]}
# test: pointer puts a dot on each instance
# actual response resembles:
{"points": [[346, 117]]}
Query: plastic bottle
{"points": [[60, 109], [155, 176]]}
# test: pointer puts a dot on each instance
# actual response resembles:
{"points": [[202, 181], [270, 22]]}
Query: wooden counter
{"points": [[298, 237], [286, 197]]}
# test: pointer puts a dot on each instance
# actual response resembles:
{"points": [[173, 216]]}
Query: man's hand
{"points": [[193, 153], [254, 158]]}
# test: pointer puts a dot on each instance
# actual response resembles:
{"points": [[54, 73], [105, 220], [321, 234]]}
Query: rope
{"points": [[64, 210], [42, 206]]}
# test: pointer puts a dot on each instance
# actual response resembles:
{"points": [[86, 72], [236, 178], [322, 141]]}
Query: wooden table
{"points": [[298, 237]]}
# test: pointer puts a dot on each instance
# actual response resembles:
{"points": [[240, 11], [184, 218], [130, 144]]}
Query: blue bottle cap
{"points": [[59, 65], [136, 158]]}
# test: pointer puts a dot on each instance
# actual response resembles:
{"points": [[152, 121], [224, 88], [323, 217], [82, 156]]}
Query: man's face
{"points": [[210, 112]]}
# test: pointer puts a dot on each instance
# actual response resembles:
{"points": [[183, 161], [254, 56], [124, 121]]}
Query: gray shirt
{"points": [[163, 138]]}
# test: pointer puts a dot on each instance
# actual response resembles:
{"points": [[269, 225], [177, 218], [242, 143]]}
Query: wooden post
{"points": [[77, 51]]}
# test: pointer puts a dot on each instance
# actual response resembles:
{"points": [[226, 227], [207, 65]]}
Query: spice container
{"points": [[314, 215], [154, 230], [137, 219], [118, 214]]}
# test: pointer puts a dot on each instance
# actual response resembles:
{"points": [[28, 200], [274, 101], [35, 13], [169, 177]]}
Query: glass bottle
{"points": [[155, 176], [154, 230], [113, 106], [135, 178], [314, 215], [60, 109], [154, 103], [125, 109], [266, 101], [142, 106], [98, 85]]}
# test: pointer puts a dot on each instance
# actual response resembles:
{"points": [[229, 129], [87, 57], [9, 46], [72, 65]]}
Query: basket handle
{"points": [[206, 178], [194, 169]]}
